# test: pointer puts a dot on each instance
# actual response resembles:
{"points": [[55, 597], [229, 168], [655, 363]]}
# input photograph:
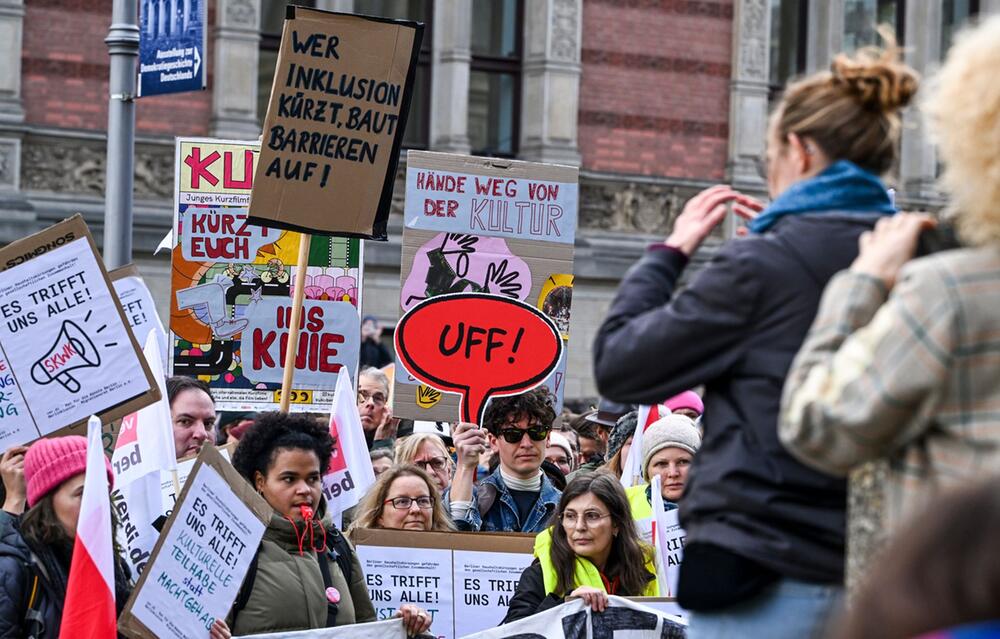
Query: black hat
{"points": [[608, 413]]}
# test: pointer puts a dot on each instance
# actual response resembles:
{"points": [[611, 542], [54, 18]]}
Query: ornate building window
{"points": [[787, 58], [862, 18], [954, 15], [272, 16], [495, 77]]}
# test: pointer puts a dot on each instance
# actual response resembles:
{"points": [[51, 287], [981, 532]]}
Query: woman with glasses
{"points": [[305, 574], [591, 550], [403, 498], [428, 451]]}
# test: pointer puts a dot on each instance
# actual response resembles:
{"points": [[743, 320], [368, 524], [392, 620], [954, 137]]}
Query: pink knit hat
{"points": [[50, 462], [687, 399]]}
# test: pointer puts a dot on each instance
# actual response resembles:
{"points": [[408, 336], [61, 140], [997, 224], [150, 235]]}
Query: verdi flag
{"points": [[89, 610], [350, 473]]}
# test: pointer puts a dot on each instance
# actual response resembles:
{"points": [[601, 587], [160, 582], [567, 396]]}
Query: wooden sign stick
{"points": [[293, 329]]}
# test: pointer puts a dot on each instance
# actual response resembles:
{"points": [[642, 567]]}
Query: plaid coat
{"points": [[912, 377]]}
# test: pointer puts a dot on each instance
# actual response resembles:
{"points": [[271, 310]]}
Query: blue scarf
{"points": [[843, 187]]}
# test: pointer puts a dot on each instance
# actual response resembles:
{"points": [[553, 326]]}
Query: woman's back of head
{"points": [[963, 111], [851, 111]]}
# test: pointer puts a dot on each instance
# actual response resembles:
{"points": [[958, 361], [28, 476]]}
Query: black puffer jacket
{"points": [[19, 565], [736, 329]]}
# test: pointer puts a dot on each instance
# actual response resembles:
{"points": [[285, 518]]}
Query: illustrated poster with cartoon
{"points": [[473, 224], [232, 285]]}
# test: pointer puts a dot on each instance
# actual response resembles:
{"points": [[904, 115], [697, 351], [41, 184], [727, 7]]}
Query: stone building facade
{"points": [[653, 100]]}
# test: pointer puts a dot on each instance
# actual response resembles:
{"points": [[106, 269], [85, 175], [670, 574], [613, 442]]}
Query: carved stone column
{"points": [[748, 92], [11, 29], [918, 160], [450, 76], [824, 33], [550, 81], [234, 91]]}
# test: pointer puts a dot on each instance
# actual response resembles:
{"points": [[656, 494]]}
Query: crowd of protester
{"points": [[809, 347]]}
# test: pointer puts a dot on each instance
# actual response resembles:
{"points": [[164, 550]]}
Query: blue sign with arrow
{"points": [[172, 46]]}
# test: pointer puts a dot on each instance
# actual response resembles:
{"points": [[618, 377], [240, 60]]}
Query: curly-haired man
{"points": [[517, 497]]}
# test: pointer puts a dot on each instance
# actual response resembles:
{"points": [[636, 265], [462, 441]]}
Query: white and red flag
{"points": [[350, 474], [89, 610], [632, 467]]}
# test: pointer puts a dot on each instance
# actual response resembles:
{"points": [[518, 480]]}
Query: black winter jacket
{"points": [[530, 596], [735, 330], [19, 564]]}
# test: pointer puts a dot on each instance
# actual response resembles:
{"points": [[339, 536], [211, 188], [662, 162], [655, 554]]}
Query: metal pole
{"points": [[123, 47]]}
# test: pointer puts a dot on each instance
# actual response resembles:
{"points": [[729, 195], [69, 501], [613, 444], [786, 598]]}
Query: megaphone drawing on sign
{"points": [[72, 349]]}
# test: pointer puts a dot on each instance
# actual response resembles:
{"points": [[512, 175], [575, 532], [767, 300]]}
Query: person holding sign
{"points": [[518, 497], [36, 551], [305, 575], [404, 498], [591, 550]]}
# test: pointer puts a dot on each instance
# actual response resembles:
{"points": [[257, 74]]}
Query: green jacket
{"points": [[288, 592]]}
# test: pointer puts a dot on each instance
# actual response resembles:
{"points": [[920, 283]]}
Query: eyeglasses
{"points": [[513, 435], [377, 398], [404, 503], [590, 518], [436, 463]]}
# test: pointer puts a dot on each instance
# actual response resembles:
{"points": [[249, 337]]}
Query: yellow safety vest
{"points": [[638, 502], [585, 573]]}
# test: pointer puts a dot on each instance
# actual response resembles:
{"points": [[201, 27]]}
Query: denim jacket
{"points": [[502, 514]]}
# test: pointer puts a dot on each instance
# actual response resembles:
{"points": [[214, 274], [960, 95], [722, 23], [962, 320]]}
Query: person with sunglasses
{"points": [[374, 409], [517, 497], [591, 550], [404, 498]]}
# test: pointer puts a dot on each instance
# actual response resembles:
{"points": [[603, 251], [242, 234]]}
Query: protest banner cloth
{"points": [[172, 46], [201, 557], [464, 580], [66, 352], [232, 290], [144, 450], [140, 310], [668, 540], [392, 629], [632, 466], [503, 228], [575, 620], [334, 124], [350, 474]]}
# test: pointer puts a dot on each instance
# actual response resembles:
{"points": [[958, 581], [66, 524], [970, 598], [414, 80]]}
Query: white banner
{"points": [[575, 620], [137, 302], [378, 630], [668, 540]]}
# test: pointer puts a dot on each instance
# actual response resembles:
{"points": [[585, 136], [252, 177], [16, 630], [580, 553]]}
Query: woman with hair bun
{"points": [[764, 554]]}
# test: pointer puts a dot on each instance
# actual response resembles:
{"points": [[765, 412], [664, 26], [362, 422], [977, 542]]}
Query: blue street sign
{"points": [[172, 46]]}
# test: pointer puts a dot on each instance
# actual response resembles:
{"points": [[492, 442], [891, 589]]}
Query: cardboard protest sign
{"points": [[465, 580], [575, 620], [471, 344], [232, 285], [392, 629], [139, 308], [201, 557], [184, 468], [503, 229], [65, 349], [334, 125]]}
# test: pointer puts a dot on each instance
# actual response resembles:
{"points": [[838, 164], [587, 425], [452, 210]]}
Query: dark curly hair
{"points": [[276, 431], [536, 404]]}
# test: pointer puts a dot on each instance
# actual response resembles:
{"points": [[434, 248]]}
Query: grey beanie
{"points": [[624, 428], [672, 431]]}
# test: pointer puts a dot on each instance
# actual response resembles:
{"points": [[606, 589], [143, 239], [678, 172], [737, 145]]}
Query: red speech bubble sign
{"points": [[479, 346]]}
